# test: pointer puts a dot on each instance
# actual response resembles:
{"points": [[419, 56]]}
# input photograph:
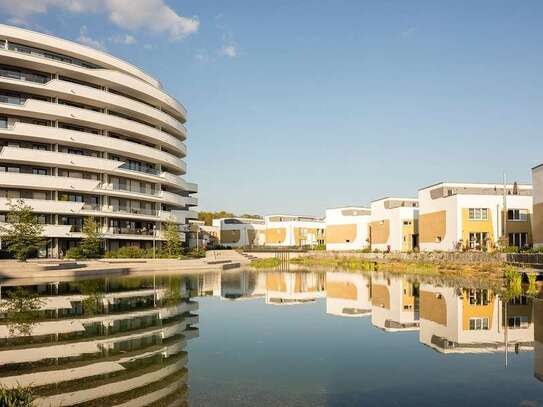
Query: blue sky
{"points": [[298, 105]]}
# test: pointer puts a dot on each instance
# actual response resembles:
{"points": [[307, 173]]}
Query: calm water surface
{"points": [[243, 338]]}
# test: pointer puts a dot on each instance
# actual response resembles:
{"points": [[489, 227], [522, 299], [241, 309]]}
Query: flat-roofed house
{"points": [[241, 232], [537, 219], [394, 224], [347, 228], [294, 230], [456, 216]]}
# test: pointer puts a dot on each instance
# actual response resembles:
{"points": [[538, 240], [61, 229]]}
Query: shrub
{"points": [[510, 249], [197, 253], [75, 253], [319, 247], [129, 252], [16, 397], [266, 263]]}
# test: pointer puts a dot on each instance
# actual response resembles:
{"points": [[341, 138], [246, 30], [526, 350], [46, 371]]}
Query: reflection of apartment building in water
{"points": [[101, 342], [395, 304], [347, 228], [472, 320], [537, 221], [240, 232], [454, 216], [243, 285], [84, 134], [538, 338], [284, 288], [348, 294], [288, 230], [394, 224]]}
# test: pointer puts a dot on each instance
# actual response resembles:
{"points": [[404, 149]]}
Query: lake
{"points": [[271, 338]]}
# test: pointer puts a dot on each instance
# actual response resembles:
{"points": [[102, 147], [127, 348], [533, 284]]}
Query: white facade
{"points": [[446, 223], [348, 294], [394, 304], [84, 134], [347, 228], [240, 232], [394, 224], [293, 230], [537, 221]]}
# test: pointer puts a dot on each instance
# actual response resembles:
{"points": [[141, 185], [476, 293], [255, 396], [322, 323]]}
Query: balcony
{"points": [[123, 188], [130, 231], [23, 76], [139, 168], [134, 211]]}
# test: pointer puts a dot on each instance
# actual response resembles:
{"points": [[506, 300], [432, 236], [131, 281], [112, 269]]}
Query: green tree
{"points": [[208, 217], [23, 232], [22, 311], [172, 245], [90, 246]]}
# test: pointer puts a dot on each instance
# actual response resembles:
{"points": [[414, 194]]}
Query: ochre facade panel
{"points": [[340, 233], [432, 226]]}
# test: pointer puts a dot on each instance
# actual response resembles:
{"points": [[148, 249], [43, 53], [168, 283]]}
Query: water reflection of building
{"points": [[472, 320], [243, 285], [116, 342], [285, 288], [348, 294], [538, 338], [395, 303]]}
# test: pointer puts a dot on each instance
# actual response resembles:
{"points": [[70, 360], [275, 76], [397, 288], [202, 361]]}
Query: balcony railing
{"points": [[135, 211], [140, 168], [92, 207], [119, 187], [130, 231], [23, 76]]}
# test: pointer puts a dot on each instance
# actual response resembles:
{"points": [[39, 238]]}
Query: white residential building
{"points": [[291, 230], [537, 219], [241, 232], [456, 216], [394, 224], [85, 134], [347, 228], [348, 294]]}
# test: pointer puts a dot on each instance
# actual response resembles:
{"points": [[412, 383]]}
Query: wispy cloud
{"points": [[150, 15], [125, 39], [409, 32], [85, 39], [229, 51]]}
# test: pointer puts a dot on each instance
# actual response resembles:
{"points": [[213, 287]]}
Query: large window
{"points": [[478, 296], [478, 213], [518, 239], [517, 214], [478, 240], [516, 322], [3, 122], [478, 324]]}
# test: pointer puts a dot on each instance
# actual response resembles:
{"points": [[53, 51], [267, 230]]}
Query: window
{"points": [[522, 300], [478, 240], [3, 122], [478, 213], [39, 171], [516, 322], [478, 324], [518, 239], [517, 214], [478, 296]]}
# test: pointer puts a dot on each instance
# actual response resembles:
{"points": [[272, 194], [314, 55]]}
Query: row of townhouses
{"points": [[446, 216]]}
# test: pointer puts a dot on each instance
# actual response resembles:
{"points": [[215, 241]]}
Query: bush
{"points": [[319, 247], [510, 249], [16, 397], [75, 253], [196, 253], [129, 252]]}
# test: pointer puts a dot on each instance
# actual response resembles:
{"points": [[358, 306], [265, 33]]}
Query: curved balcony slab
{"points": [[47, 206], [106, 77], [91, 141], [107, 100], [75, 50], [89, 118], [178, 182], [47, 182], [174, 199]]}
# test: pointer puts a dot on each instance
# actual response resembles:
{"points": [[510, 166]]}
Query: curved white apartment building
{"points": [[82, 134]]}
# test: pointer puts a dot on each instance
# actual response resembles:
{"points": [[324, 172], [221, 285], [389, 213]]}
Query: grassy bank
{"points": [[265, 263], [359, 264]]}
